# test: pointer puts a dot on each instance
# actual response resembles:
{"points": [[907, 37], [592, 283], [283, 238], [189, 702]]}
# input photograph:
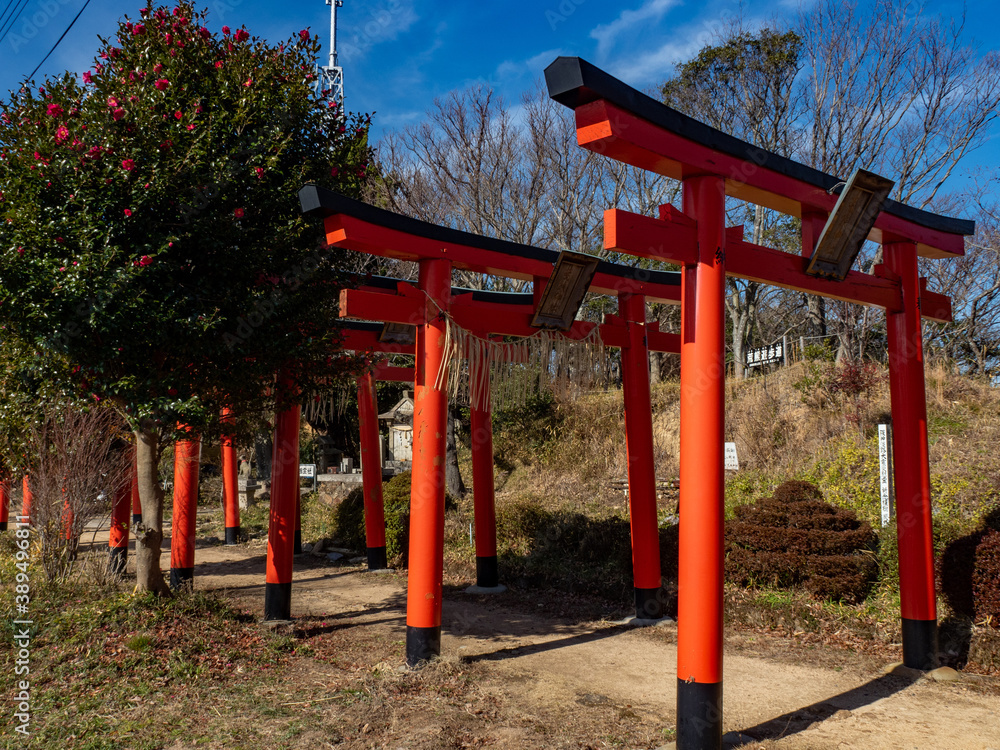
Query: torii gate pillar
{"points": [[230, 486], [284, 498], [485, 516], [702, 401], [119, 531], [26, 498], [912, 472], [136, 505], [371, 473], [4, 504], [187, 455], [430, 414], [645, 528]]}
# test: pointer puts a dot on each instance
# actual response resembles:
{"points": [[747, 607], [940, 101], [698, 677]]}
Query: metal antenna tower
{"points": [[331, 76]]}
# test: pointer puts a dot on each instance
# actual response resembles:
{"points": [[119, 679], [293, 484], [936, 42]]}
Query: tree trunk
{"points": [[263, 447], [452, 476], [149, 534], [816, 315], [740, 325], [654, 368]]}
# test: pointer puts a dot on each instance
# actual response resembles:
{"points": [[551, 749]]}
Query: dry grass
{"points": [[786, 425]]}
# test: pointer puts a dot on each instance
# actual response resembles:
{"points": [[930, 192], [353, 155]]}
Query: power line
{"points": [[3, 14], [59, 40], [12, 19]]}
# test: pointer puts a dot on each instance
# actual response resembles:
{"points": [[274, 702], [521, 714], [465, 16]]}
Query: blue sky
{"points": [[398, 55]]}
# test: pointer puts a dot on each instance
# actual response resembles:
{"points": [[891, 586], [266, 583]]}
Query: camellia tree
{"points": [[151, 236]]}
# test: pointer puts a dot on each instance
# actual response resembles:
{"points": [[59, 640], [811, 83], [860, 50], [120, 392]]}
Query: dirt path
{"points": [[788, 698]]}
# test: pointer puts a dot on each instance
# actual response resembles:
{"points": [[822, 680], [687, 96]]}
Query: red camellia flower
{"points": [[225, 30], [166, 144], [55, 110], [168, 38], [112, 102], [248, 82], [145, 260], [241, 35], [178, 114], [128, 165], [191, 126], [157, 68], [118, 113], [334, 171], [62, 134], [138, 29], [238, 213], [128, 212], [259, 171], [161, 83], [218, 63], [304, 35], [87, 77], [205, 33]]}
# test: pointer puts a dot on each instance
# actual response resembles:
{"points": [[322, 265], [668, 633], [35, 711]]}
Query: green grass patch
{"points": [[106, 665]]}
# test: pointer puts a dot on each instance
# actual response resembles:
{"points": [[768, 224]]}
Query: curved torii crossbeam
{"points": [[618, 121]]}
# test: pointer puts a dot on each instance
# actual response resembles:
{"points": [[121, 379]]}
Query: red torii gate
{"points": [[618, 121], [364, 337], [509, 314], [358, 226]]}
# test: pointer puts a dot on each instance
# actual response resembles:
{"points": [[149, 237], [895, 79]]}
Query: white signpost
{"points": [[885, 471], [732, 461], [308, 471], [767, 355]]}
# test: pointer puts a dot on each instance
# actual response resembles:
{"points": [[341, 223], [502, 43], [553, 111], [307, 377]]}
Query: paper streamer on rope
{"points": [[328, 405], [520, 367]]}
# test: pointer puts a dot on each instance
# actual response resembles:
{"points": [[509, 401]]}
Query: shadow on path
{"points": [[513, 652], [797, 721]]}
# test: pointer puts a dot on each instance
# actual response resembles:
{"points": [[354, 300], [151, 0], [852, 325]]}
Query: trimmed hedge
{"points": [[794, 539], [349, 519], [572, 552], [969, 572]]}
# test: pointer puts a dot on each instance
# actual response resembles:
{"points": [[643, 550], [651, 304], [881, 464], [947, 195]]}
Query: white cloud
{"points": [[650, 12], [533, 66], [396, 120], [642, 68], [655, 66], [380, 23]]}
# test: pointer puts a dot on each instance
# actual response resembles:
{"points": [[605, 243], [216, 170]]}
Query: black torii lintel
{"points": [[575, 82]]}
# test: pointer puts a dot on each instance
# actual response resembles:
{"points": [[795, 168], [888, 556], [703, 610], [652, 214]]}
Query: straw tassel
{"points": [[519, 367]]}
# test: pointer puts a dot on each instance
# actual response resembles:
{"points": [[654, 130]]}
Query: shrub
{"points": [[986, 578], [349, 519], [520, 523], [795, 490], [573, 552], [796, 539], [969, 573]]}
